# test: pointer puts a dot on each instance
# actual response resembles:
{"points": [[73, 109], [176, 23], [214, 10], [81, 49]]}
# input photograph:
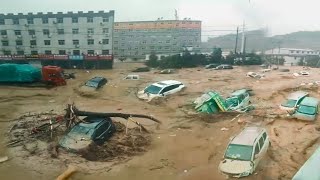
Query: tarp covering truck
{"points": [[26, 74]]}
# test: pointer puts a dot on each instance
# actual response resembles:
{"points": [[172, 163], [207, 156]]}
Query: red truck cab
{"points": [[53, 75]]}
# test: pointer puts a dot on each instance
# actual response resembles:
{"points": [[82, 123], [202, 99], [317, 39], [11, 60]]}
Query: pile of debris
{"points": [[85, 136]]}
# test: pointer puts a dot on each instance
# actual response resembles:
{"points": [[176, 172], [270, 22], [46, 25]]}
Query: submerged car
{"points": [[255, 75], [210, 66], [307, 109], [224, 66], [238, 99], [160, 89], [244, 152], [91, 129], [132, 77], [293, 100], [96, 82]]}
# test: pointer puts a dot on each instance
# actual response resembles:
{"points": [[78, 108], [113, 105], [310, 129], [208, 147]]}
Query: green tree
{"points": [[216, 56], [153, 60], [230, 58], [312, 61], [301, 63]]}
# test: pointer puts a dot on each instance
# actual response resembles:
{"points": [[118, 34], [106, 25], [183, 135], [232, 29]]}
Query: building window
{"points": [[30, 21], [60, 31], [75, 42], [33, 42], [7, 52], [297, 51], [59, 20], [47, 42], [90, 41], [89, 19], [75, 31], [144, 42], [90, 51], [32, 32], [62, 52], [90, 31], [45, 20], [19, 42], [105, 52], [2, 22], [105, 30], [34, 52], [20, 52], [15, 21], [302, 52], [105, 41], [46, 31], [166, 47], [5, 43], [17, 32], [74, 20], [167, 41], [76, 52], [61, 42], [105, 20], [151, 47], [160, 42], [115, 42], [47, 52], [3, 32]]}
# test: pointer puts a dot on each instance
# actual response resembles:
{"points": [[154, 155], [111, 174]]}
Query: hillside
{"points": [[257, 41]]}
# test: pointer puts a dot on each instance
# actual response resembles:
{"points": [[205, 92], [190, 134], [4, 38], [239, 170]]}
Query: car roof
{"points": [[247, 136], [297, 95], [238, 92], [97, 78], [166, 83], [310, 101]]}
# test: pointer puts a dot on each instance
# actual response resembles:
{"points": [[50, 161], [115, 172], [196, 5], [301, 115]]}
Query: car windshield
{"points": [[239, 152], [310, 110], [82, 130], [289, 103], [92, 83], [232, 102], [152, 89]]}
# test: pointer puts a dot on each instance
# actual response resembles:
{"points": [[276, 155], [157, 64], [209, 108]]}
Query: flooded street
{"points": [[185, 146]]}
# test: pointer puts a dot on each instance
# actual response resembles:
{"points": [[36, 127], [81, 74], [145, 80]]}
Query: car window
{"points": [[261, 141], [256, 149], [100, 130], [264, 135]]}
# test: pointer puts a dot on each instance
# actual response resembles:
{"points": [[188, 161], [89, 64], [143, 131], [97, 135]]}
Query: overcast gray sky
{"points": [[280, 16]]}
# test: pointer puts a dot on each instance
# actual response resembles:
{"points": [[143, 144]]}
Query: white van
{"points": [[244, 152], [132, 77]]}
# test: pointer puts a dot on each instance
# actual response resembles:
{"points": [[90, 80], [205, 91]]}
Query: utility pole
{"points": [[278, 53], [236, 46], [243, 42]]}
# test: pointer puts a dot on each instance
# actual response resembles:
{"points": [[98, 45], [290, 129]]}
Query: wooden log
{"points": [[68, 173]]}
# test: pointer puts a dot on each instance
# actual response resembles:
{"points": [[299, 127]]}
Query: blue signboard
{"points": [[76, 57]]}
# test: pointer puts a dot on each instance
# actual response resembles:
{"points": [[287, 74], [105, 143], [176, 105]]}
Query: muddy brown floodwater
{"points": [[185, 146]]}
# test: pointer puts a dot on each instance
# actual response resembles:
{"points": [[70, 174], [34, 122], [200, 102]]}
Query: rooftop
{"points": [[167, 82], [297, 95], [247, 136]]}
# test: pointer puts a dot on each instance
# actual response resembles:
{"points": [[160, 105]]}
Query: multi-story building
{"points": [[139, 38], [291, 55], [75, 35]]}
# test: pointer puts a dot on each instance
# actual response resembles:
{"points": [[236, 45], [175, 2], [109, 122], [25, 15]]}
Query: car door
{"points": [[256, 156], [174, 88]]}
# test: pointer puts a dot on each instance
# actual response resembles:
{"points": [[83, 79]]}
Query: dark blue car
{"points": [[96, 82], [93, 129]]}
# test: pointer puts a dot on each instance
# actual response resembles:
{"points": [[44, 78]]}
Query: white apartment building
{"points": [[68, 33], [291, 55]]}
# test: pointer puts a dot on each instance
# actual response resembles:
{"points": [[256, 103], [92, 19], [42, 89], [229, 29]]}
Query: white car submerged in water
{"points": [[244, 152], [160, 89]]}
